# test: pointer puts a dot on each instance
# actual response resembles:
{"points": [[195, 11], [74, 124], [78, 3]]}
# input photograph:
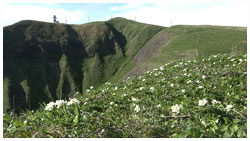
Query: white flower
{"points": [[185, 74], [73, 101], [229, 107], [91, 87], [152, 88], [163, 79], [134, 99], [116, 88], [159, 105], [215, 102], [49, 106], [87, 90], [232, 59], [125, 88], [240, 60], [125, 95], [162, 68], [172, 85], [102, 130], [190, 81], [137, 108], [185, 70], [111, 103], [142, 88], [200, 87], [197, 81], [143, 80], [77, 92], [103, 91], [203, 76], [128, 78], [60, 103], [155, 69], [183, 90], [85, 103], [175, 108], [202, 102]]}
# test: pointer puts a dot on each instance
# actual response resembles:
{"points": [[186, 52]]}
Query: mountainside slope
{"points": [[47, 61], [185, 42]]}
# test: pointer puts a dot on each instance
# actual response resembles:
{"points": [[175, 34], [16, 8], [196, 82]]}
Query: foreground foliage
{"points": [[204, 97]]}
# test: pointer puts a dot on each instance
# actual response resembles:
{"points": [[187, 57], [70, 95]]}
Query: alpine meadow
{"points": [[124, 79]]}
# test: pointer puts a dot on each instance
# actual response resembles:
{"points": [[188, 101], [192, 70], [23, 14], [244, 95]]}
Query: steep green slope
{"points": [[46, 61], [197, 98]]}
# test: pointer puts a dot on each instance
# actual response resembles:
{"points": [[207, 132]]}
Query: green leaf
{"points": [[226, 134], [224, 127], [235, 127], [24, 134], [240, 132], [75, 121]]}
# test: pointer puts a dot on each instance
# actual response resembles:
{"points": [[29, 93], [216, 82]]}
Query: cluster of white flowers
{"points": [[202, 102], [175, 108], [60, 103], [107, 83], [215, 102]]}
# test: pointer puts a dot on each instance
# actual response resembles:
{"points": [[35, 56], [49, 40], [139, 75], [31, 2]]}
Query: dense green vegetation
{"points": [[202, 97], [45, 61]]}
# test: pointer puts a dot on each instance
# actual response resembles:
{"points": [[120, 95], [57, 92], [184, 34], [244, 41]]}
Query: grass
{"points": [[199, 41], [143, 106]]}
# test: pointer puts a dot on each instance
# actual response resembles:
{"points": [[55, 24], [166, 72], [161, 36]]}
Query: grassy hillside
{"points": [[47, 61], [198, 98], [185, 42]]}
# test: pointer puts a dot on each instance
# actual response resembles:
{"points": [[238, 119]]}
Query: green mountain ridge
{"points": [[46, 61]]}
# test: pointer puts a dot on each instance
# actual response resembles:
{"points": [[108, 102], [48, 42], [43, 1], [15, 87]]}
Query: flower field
{"points": [[199, 98]]}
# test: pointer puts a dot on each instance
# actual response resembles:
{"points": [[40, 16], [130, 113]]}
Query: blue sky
{"points": [[193, 12]]}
